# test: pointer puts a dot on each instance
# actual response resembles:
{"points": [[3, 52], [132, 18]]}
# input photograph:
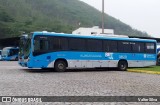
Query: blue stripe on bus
{"points": [[41, 61], [96, 56]]}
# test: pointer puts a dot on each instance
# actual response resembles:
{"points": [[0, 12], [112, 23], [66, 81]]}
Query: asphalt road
{"points": [[18, 81]]}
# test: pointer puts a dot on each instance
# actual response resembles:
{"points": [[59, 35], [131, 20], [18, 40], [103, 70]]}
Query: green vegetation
{"points": [[152, 68], [17, 16]]}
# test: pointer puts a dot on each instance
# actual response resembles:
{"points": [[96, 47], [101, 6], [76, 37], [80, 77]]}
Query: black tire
{"points": [[60, 66], [122, 65]]}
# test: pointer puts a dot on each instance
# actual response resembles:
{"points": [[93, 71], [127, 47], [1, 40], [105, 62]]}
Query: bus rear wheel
{"points": [[60, 66], [122, 65]]}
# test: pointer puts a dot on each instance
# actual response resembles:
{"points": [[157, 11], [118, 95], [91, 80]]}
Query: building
{"points": [[9, 42], [92, 31]]}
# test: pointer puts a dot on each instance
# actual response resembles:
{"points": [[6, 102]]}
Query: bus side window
{"points": [[110, 46], [77, 44], [44, 45], [58, 44], [106, 46], [138, 47], [150, 47], [41, 45], [113, 46], [94, 45], [124, 47]]}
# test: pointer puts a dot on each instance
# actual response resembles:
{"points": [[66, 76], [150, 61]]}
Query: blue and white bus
{"points": [[62, 51], [10, 53]]}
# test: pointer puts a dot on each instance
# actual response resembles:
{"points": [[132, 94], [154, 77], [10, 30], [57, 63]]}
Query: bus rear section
{"points": [[10, 53]]}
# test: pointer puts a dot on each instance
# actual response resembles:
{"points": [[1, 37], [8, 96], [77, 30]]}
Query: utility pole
{"points": [[102, 16]]}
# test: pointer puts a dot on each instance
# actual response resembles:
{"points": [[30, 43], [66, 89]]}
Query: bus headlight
{"points": [[28, 59]]}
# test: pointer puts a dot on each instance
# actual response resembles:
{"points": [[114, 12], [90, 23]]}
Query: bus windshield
{"points": [[13, 52], [4, 52], [25, 45]]}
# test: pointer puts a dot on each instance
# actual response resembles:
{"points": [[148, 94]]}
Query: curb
{"points": [[144, 71]]}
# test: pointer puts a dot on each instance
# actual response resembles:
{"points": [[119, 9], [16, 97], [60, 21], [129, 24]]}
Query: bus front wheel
{"points": [[122, 65], [60, 66]]}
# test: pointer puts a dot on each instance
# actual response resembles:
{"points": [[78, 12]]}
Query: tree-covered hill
{"points": [[17, 16]]}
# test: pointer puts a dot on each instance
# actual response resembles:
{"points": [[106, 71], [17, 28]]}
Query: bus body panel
{"points": [[92, 59]]}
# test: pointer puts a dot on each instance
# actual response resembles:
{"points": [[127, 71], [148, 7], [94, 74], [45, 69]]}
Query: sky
{"points": [[143, 15]]}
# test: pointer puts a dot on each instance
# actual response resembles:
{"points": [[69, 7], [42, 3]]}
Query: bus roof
{"points": [[93, 37]]}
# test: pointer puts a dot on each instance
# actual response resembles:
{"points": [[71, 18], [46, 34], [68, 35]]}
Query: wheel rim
{"points": [[122, 66], [61, 66]]}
